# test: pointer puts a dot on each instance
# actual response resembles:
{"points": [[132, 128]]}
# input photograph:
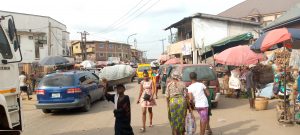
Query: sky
{"points": [[115, 20]]}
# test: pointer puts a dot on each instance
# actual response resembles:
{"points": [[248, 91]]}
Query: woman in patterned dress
{"points": [[147, 88], [177, 104]]}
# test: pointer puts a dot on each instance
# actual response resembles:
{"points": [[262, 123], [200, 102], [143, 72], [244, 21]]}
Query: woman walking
{"points": [[177, 105], [146, 99]]}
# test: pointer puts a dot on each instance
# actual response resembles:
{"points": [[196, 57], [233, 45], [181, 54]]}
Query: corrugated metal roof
{"points": [[254, 7], [290, 16], [214, 17]]}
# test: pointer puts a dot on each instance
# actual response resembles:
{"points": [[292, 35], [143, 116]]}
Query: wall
{"points": [[27, 49], [207, 31], [241, 28], [40, 24]]}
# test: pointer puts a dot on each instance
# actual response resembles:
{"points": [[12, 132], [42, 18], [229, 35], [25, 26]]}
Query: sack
{"points": [[147, 97], [190, 124]]}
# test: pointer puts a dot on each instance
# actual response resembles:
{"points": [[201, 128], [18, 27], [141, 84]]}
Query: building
{"points": [[137, 56], [195, 33], [290, 19], [40, 36], [101, 51], [262, 11]]}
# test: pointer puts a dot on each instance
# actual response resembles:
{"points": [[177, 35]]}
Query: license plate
{"points": [[55, 95]]}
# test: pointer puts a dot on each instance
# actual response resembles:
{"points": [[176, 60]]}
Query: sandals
{"points": [[142, 130]]}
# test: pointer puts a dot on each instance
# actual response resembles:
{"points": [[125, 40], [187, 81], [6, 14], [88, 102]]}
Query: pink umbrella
{"points": [[173, 61], [164, 57], [239, 55]]}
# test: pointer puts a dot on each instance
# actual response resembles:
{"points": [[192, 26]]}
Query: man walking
{"points": [[23, 84]]}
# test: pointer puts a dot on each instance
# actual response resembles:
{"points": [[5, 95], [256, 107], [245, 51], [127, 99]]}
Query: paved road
{"points": [[232, 117]]}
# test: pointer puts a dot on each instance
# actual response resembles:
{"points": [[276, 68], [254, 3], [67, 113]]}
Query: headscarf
{"points": [[176, 75]]}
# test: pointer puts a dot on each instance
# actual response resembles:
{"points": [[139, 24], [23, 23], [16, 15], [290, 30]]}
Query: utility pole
{"points": [[163, 45], [49, 39], [83, 44]]}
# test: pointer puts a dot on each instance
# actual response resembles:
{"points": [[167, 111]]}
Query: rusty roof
{"points": [[258, 7]]}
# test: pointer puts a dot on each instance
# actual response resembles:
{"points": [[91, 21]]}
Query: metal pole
{"points": [[163, 45], [129, 37]]}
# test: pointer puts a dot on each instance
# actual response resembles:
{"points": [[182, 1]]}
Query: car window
{"points": [[93, 77], [58, 80], [203, 73], [5, 50], [143, 68]]}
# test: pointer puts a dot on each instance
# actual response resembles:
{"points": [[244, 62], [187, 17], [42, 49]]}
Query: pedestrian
{"points": [[23, 84], [163, 81], [33, 77], [198, 94], [226, 83], [155, 82], [146, 99], [122, 110], [250, 86], [209, 98], [176, 104]]}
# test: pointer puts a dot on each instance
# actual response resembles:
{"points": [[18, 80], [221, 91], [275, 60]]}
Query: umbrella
{"points": [[164, 57], [239, 55], [53, 60], [269, 40], [88, 64], [173, 61]]}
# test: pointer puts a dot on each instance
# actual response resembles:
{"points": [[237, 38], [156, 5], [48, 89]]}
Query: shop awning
{"points": [[225, 43]]}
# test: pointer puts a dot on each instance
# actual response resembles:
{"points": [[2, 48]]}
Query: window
{"points": [[5, 50], [120, 54], [37, 50], [119, 46], [109, 55], [111, 46], [58, 80], [76, 47], [101, 54], [101, 45], [203, 73], [126, 56], [30, 37]]}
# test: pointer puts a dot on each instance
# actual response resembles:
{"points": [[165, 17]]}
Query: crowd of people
{"points": [[180, 99]]}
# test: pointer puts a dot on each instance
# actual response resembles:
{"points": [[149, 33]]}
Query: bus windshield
{"points": [[5, 49]]}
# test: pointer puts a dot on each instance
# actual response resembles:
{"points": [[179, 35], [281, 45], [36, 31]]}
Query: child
{"points": [[122, 111]]}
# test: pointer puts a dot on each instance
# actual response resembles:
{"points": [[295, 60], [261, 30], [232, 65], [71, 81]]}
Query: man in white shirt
{"points": [[23, 85], [198, 92]]}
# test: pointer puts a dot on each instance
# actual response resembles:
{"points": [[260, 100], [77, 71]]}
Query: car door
{"points": [[98, 91], [94, 86], [86, 85]]}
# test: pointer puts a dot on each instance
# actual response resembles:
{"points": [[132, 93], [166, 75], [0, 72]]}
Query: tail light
{"points": [[40, 92], [74, 90]]}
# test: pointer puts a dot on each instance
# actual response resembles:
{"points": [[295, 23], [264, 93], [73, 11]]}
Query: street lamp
{"points": [[129, 37]]}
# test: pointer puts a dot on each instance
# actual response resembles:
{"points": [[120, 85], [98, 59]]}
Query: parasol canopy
{"points": [[270, 39], [239, 55], [53, 60], [173, 61], [88, 64]]}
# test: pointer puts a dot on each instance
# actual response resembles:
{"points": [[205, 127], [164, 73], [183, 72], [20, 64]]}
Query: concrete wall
{"points": [[34, 24]]}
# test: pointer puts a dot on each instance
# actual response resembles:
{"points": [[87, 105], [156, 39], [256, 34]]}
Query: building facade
{"points": [[137, 56], [101, 51], [40, 36], [196, 32]]}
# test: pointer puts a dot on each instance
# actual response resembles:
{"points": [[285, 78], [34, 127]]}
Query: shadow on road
{"points": [[162, 129], [236, 125], [226, 103]]}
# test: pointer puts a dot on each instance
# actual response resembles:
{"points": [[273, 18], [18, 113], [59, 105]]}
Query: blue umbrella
{"points": [[53, 60]]}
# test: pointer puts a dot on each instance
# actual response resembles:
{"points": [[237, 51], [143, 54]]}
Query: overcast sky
{"points": [[117, 19]]}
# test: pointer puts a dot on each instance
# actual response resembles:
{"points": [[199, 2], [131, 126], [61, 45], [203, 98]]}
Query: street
{"points": [[232, 117]]}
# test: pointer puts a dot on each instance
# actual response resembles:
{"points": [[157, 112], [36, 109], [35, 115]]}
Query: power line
{"points": [[134, 17], [118, 20]]}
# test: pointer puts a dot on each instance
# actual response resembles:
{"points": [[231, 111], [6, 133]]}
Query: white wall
{"points": [[25, 22], [206, 32], [239, 28]]}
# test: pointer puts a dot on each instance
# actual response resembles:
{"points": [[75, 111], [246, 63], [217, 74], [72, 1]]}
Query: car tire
{"points": [[87, 105], [46, 111]]}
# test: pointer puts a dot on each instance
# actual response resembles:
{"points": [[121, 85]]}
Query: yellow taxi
{"points": [[140, 70]]}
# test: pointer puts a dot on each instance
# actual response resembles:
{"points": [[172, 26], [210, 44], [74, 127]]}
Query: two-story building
{"points": [[195, 33], [101, 51], [40, 36]]}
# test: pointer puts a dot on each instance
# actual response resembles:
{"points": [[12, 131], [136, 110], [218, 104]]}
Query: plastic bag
{"points": [[190, 124]]}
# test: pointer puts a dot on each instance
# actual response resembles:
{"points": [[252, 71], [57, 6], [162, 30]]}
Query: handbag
{"points": [[147, 97]]}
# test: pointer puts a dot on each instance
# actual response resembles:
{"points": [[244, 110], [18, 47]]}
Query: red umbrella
{"points": [[239, 55], [288, 36], [173, 61]]}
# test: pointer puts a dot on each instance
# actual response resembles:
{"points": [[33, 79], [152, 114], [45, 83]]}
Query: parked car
{"points": [[67, 90], [140, 70], [204, 73]]}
